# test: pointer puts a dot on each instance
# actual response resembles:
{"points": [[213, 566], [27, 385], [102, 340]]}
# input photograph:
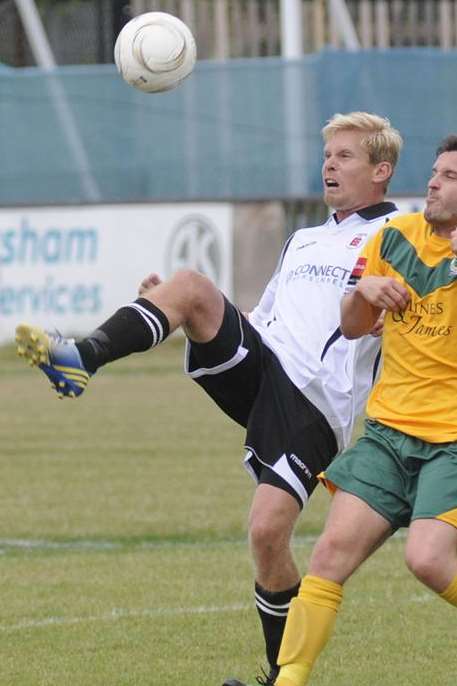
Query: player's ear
{"points": [[382, 172]]}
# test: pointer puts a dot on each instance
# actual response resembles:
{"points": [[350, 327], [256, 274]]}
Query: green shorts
{"points": [[399, 476]]}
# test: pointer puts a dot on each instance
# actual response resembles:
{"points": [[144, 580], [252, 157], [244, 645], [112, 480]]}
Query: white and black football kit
{"points": [[288, 375]]}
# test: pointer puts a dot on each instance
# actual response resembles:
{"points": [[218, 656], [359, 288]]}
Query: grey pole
{"points": [[291, 28], [294, 96], [44, 57], [343, 21]]}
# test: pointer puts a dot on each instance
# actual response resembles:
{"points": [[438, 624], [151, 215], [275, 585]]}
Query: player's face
{"points": [[348, 175], [441, 203]]}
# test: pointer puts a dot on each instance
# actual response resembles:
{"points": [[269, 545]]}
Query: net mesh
{"points": [[241, 129]]}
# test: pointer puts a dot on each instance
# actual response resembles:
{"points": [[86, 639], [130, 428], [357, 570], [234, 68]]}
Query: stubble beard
{"points": [[440, 219]]}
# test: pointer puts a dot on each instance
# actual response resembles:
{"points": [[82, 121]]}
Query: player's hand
{"points": [[376, 331], [384, 292], [454, 242], [148, 283]]}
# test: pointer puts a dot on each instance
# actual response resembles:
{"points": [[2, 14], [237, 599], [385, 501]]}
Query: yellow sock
{"points": [[309, 625], [450, 593]]}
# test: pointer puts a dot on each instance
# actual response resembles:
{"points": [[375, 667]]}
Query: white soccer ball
{"points": [[155, 51]]}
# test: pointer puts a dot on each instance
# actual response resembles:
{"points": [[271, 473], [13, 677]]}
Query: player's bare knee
{"points": [[196, 290], [424, 563], [267, 537], [331, 558], [190, 283]]}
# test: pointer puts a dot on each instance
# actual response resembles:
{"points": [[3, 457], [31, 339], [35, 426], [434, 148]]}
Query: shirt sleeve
{"points": [[264, 309]]}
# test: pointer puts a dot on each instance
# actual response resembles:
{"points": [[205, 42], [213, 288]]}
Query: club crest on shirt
{"points": [[357, 240]]}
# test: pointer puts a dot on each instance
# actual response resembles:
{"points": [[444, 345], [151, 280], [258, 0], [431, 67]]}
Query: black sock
{"points": [[272, 608], [134, 328]]}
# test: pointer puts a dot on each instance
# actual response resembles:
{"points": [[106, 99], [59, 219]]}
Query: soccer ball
{"points": [[155, 51]]}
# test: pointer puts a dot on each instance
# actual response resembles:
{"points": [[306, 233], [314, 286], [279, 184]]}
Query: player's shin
{"points": [[309, 626], [273, 608], [138, 326]]}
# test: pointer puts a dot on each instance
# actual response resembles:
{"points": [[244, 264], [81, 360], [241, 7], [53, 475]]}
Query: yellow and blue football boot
{"points": [[56, 356]]}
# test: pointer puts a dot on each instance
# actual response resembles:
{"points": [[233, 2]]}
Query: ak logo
{"points": [[196, 244]]}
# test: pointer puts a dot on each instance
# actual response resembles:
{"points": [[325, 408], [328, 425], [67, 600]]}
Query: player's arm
{"points": [[370, 291], [361, 308], [378, 328]]}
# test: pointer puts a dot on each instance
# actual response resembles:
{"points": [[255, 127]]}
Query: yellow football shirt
{"points": [[417, 389]]}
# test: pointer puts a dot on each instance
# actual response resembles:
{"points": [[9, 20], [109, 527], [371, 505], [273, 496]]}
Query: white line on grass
{"points": [[38, 544], [87, 544], [120, 613]]}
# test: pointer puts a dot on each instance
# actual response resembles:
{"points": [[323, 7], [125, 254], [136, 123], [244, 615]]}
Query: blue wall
{"points": [[242, 129]]}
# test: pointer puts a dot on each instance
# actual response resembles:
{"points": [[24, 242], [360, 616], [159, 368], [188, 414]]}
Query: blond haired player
{"points": [[403, 471], [285, 372]]}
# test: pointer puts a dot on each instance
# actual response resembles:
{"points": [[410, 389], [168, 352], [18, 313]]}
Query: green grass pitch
{"points": [[123, 554]]}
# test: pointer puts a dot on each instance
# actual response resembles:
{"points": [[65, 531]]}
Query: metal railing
{"points": [[84, 32], [251, 28]]}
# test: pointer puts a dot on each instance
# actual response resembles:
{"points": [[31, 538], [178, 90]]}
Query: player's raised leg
{"points": [[188, 299]]}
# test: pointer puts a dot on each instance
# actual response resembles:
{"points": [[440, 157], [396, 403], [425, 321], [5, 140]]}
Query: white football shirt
{"points": [[299, 313]]}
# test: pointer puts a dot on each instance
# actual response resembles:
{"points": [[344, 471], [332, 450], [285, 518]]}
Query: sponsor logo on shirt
{"points": [[322, 273], [423, 319]]}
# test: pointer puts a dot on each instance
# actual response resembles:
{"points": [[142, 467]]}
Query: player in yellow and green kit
{"points": [[403, 471]]}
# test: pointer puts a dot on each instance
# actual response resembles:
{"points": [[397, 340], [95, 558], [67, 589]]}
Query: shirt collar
{"points": [[373, 211]]}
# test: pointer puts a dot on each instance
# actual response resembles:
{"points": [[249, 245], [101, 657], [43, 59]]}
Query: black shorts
{"points": [[288, 440]]}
